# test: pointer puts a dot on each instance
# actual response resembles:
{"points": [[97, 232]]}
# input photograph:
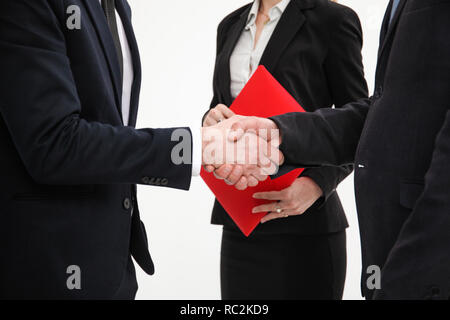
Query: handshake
{"points": [[242, 151]]}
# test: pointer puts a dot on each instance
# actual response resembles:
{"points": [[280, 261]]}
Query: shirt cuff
{"points": [[196, 151]]}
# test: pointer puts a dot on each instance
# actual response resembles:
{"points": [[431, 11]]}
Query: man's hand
{"points": [[241, 158], [258, 125], [292, 201]]}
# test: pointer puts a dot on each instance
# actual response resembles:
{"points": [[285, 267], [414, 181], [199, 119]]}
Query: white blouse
{"points": [[246, 56]]}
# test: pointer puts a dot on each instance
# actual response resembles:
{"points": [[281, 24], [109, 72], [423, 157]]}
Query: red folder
{"points": [[263, 96]]}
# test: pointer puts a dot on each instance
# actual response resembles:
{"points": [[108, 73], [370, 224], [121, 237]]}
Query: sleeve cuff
{"points": [[196, 151]]}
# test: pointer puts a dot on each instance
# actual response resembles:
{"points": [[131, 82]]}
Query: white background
{"points": [[177, 40]]}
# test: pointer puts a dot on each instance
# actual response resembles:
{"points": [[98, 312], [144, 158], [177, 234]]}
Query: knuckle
{"points": [[288, 205]]}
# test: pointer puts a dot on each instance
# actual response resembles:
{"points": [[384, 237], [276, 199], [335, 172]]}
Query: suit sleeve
{"points": [[43, 114], [326, 137], [346, 82], [420, 259]]}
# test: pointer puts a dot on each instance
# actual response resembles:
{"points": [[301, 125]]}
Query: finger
{"points": [[267, 167], [216, 115], [209, 168], [235, 175], [271, 195], [239, 128], [226, 112], [252, 181], [242, 184], [209, 122], [268, 207], [258, 176], [269, 157], [217, 176], [271, 216], [273, 154], [223, 172]]}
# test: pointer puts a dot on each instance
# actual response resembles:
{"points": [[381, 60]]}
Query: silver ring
{"points": [[278, 209]]}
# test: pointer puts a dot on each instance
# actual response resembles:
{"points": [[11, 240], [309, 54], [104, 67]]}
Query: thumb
{"points": [[255, 124]]}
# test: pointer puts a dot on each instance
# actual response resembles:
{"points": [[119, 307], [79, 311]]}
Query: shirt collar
{"points": [[274, 13]]}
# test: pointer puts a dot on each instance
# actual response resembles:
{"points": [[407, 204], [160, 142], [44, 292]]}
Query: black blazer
{"points": [[399, 140], [315, 53], [68, 166]]}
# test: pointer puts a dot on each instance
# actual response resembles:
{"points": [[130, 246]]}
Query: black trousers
{"points": [[283, 266]]}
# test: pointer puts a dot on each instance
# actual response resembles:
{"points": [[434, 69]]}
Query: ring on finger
{"points": [[278, 209]]}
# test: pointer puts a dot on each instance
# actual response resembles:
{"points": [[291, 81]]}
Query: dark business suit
{"points": [[399, 140], [315, 53], [69, 167]]}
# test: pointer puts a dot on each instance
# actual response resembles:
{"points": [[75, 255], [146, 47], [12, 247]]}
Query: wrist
{"points": [[312, 185], [212, 150]]}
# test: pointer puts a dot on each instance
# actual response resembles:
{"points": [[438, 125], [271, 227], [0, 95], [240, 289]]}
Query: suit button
{"points": [[127, 204], [435, 292], [146, 180]]}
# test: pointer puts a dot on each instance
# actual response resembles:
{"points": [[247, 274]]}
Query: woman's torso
{"points": [[296, 50]]}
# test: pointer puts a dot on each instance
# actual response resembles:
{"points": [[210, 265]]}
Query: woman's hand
{"points": [[218, 114], [292, 201]]}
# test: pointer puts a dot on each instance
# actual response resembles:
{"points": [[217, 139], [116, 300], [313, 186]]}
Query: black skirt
{"points": [[282, 266]]}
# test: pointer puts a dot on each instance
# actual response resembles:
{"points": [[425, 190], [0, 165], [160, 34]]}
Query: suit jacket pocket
{"points": [[409, 193]]}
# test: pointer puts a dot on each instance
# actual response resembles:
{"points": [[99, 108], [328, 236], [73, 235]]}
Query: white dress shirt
{"points": [[128, 72], [128, 78], [246, 56]]}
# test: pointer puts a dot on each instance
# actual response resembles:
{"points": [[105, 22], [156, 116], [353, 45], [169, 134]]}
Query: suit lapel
{"points": [[290, 23], [233, 36], [104, 34], [391, 27], [136, 61]]}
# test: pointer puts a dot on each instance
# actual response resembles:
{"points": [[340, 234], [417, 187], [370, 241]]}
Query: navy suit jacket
{"points": [[69, 166], [399, 140]]}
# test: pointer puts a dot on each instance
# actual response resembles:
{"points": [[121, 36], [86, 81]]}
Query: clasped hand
{"points": [[243, 151]]}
